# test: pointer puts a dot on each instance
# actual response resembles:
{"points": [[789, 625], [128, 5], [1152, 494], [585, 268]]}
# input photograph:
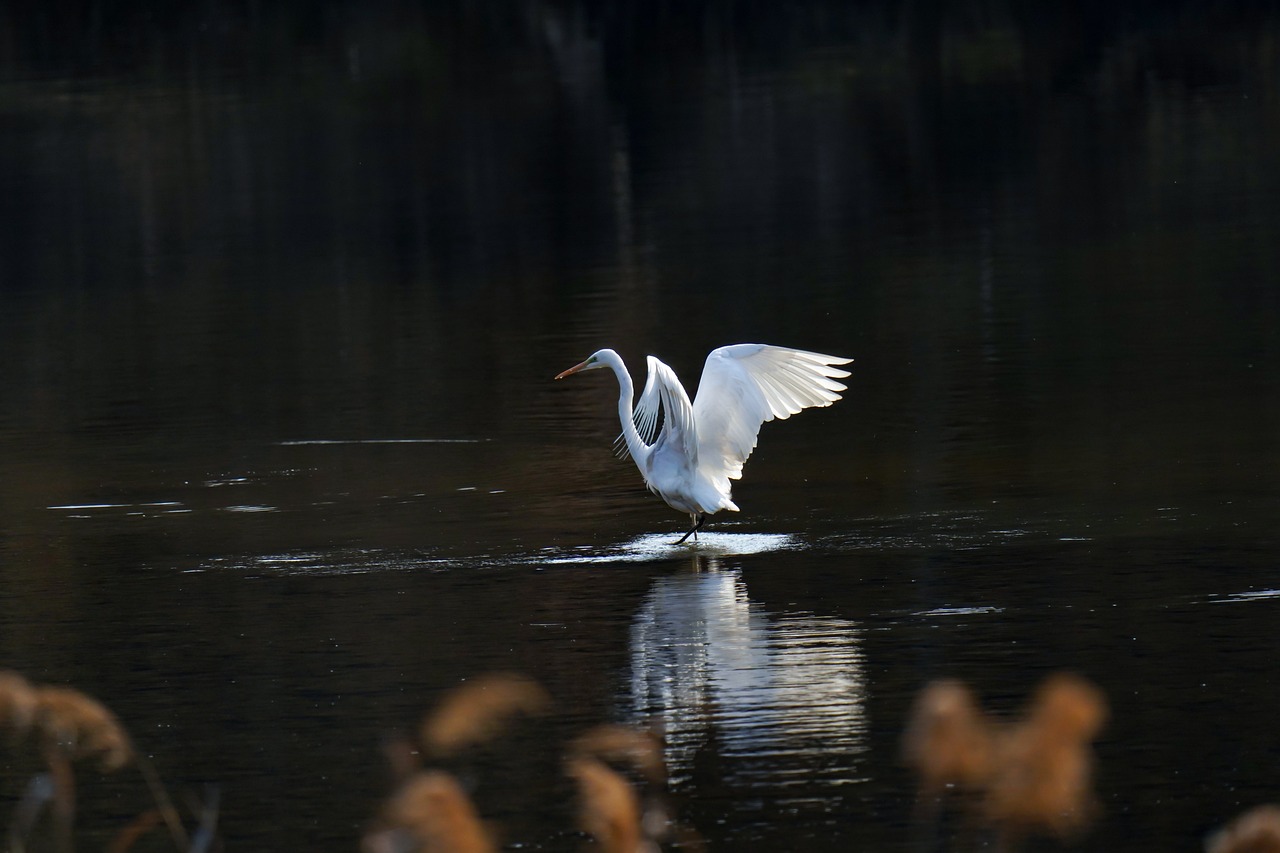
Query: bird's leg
{"points": [[699, 519]]}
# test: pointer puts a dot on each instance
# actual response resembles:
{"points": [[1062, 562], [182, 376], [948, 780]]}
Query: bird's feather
{"points": [[645, 415], [743, 386], [663, 399]]}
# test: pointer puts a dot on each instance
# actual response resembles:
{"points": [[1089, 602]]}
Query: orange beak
{"points": [[571, 370]]}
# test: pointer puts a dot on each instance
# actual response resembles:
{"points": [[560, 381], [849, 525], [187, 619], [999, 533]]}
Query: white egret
{"points": [[703, 444]]}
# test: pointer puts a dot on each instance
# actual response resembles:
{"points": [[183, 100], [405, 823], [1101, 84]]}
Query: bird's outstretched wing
{"points": [[662, 393], [744, 385]]}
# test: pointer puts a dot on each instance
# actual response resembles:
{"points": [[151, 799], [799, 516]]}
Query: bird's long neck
{"points": [[626, 413]]}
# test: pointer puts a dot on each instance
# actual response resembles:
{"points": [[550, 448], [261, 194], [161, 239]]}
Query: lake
{"points": [[282, 461]]}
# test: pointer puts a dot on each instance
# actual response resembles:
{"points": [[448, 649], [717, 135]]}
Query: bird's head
{"points": [[597, 360]]}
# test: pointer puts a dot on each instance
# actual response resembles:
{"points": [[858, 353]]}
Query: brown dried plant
{"points": [[1044, 765], [1255, 831], [71, 726], [1031, 775], [17, 702], [430, 812], [135, 831], [435, 814], [80, 726], [639, 749], [479, 710], [949, 741], [609, 809]]}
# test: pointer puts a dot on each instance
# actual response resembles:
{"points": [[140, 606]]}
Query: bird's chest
{"points": [[669, 472]]}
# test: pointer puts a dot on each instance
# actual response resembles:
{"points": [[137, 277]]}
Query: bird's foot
{"points": [[700, 520]]}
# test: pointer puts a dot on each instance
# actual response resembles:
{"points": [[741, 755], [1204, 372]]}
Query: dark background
{"points": [[1046, 233]]}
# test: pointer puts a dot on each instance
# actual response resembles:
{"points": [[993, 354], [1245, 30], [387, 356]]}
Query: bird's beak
{"points": [[572, 370]]}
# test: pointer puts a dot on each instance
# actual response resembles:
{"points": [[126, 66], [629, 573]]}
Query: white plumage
{"points": [[704, 444]]}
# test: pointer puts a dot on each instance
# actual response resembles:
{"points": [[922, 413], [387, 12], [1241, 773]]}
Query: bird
{"points": [[703, 444]]}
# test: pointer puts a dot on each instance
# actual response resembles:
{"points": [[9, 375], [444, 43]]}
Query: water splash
{"points": [[662, 546]]}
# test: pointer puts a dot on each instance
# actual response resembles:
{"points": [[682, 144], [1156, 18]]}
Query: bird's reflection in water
{"points": [[779, 699]]}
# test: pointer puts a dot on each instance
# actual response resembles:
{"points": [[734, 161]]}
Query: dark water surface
{"points": [[281, 459]]}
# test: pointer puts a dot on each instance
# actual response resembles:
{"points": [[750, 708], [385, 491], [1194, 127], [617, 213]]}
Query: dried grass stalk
{"points": [[72, 726], [949, 741], [609, 809], [435, 812], [639, 749], [81, 726], [479, 710], [17, 701], [1044, 764], [126, 838], [1255, 831], [1033, 775]]}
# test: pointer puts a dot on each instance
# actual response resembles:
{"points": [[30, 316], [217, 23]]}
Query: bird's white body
{"points": [[703, 444]]}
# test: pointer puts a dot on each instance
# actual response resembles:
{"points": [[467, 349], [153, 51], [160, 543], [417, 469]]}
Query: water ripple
{"points": [[1248, 595], [713, 666]]}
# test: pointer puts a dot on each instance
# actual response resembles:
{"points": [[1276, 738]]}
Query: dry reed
{"points": [[143, 824], [71, 726], [430, 811], [479, 710], [1255, 831], [1032, 775], [1044, 766], [609, 809], [949, 741], [80, 727], [436, 815], [17, 702], [638, 749]]}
